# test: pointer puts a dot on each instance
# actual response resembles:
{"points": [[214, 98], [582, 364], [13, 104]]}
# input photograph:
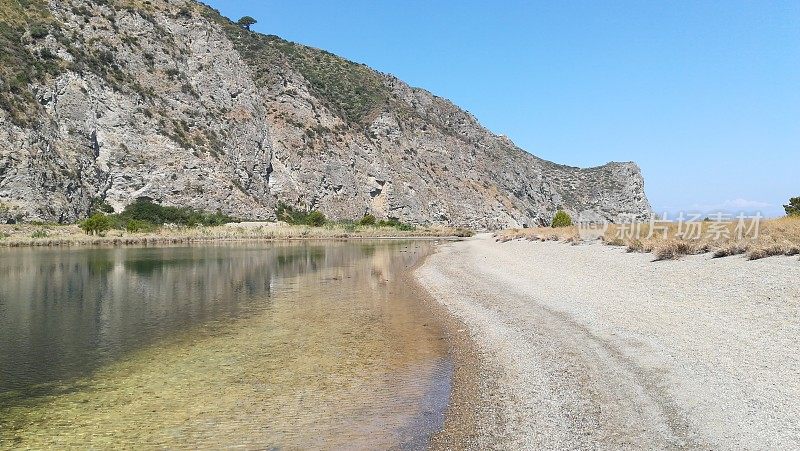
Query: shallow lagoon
{"points": [[257, 345]]}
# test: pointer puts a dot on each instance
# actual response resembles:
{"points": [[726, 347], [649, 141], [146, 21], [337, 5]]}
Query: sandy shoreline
{"points": [[590, 347]]}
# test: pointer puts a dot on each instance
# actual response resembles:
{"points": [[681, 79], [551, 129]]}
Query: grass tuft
{"points": [[776, 237]]}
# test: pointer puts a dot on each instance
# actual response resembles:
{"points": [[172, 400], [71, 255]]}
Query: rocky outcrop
{"points": [[170, 100]]}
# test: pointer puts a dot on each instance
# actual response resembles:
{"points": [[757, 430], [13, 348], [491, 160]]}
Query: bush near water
{"points": [[144, 215]]}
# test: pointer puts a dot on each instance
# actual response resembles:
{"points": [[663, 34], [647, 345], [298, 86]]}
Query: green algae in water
{"points": [[330, 351]]}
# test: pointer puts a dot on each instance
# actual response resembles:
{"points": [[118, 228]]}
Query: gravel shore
{"points": [[591, 347]]}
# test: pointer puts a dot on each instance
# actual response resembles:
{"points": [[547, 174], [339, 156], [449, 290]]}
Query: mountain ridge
{"points": [[173, 101]]}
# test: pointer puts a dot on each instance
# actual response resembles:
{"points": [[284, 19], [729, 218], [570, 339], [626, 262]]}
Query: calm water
{"points": [[268, 345]]}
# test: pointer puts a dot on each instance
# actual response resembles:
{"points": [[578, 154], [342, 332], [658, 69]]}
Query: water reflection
{"points": [[252, 345], [64, 312]]}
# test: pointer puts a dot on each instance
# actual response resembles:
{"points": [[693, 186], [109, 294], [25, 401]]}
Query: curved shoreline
{"points": [[587, 346], [461, 417]]}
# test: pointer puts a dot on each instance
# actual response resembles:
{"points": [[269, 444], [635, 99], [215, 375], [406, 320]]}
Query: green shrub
{"points": [[561, 219], [316, 218], [146, 211], [97, 224], [47, 54], [793, 207], [39, 31], [40, 233], [246, 22], [367, 220], [100, 206], [394, 222], [288, 214], [136, 226]]}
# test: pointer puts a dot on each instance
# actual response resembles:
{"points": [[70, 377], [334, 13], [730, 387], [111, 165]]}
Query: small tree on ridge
{"points": [[246, 22], [793, 207]]}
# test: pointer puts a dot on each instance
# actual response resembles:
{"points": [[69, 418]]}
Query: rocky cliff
{"points": [[109, 100]]}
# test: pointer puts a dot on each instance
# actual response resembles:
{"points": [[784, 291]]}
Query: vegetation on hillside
{"points": [[21, 24], [28, 55], [246, 22], [352, 90]]}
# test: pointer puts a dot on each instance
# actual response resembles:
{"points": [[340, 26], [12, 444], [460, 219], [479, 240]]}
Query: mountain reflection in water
{"points": [[253, 345]]}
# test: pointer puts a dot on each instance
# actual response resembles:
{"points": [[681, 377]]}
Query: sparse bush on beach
{"points": [[566, 234], [634, 245], [561, 219], [729, 249], [775, 237], [672, 249], [722, 238], [463, 232]]}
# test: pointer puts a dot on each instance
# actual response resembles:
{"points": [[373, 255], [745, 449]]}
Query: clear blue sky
{"points": [[705, 96]]}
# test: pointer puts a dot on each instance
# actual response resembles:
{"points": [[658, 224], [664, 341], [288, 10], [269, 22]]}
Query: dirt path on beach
{"points": [[589, 347]]}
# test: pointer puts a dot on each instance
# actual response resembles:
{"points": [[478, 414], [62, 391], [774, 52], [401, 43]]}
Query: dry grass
{"points": [[566, 234], [70, 235], [775, 237]]}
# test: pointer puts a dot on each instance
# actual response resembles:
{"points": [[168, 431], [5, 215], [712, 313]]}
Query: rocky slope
{"points": [[108, 100]]}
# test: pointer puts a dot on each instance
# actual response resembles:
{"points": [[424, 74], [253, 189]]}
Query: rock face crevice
{"points": [[170, 100]]}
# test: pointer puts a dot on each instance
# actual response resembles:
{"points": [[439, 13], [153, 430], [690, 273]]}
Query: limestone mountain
{"points": [[110, 100]]}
